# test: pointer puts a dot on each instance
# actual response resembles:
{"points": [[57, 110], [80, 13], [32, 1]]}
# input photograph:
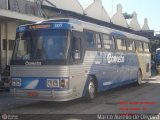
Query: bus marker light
{"points": [[16, 82], [64, 83], [71, 77]]}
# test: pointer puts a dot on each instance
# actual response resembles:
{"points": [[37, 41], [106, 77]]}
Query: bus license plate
{"points": [[32, 94]]}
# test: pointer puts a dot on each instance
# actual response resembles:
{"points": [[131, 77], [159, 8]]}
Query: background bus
{"points": [[65, 59]]}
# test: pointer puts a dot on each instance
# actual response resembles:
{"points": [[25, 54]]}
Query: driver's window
{"points": [[22, 48], [39, 52]]}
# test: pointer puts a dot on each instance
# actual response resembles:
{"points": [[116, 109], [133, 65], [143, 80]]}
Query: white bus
{"points": [[64, 59]]}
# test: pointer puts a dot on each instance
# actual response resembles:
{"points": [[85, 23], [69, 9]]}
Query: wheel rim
{"points": [[91, 90], [139, 77]]}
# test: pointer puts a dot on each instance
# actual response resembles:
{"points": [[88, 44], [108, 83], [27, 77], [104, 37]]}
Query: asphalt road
{"points": [[130, 99]]}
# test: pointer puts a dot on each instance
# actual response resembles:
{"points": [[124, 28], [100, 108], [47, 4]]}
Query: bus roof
{"points": [[41, 26], [68, 23]]}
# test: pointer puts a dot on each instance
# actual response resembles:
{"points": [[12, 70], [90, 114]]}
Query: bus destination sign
{"points": [[44, 26]]}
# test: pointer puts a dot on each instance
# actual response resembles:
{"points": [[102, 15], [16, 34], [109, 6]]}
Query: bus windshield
{"points": [[41, 45]]}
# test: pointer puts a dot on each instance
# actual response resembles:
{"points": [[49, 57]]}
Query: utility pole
{"points": [[112, 6]]}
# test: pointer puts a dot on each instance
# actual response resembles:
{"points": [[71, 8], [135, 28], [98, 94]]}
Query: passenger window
{"points": [[98, 41], [146, 47], [130, 45], [121, 45], [90, 40], [108, 43], [139, 46]]}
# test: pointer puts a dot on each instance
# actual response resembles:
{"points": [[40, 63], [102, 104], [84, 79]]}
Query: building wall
{"points": [[70, 5], [8, 32], [20, 12]]}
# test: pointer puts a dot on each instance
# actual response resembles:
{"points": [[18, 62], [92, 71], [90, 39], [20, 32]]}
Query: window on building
{"points": [[90, 40], [121, 45], [4, 44], [98, 41], [108, 43], [11, 44], [146, 47], [130, 45]]}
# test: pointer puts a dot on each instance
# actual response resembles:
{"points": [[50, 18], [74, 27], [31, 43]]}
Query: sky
{"points": [[149, 9]]}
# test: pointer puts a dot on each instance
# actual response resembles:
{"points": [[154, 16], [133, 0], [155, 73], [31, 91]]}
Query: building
{"points": [[12, 14], [16, 12]]}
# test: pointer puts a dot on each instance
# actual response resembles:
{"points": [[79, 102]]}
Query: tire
{"points": [[91, 89], [139, 78]]}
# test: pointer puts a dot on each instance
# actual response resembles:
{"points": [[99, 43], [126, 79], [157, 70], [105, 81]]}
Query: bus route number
{"points": [[58, 25]]}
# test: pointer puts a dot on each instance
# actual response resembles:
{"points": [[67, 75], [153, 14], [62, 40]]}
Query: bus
{"points": [[66, 58], [157, 60]]}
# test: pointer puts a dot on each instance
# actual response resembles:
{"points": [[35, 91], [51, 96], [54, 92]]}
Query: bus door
{"points": [[77, 52]]}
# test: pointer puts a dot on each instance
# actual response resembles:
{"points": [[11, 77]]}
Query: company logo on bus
{"points": [[115, 58], [33, 63]]}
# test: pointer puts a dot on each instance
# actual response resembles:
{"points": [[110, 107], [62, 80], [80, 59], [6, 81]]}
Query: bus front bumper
{"points": [[44, 95]]}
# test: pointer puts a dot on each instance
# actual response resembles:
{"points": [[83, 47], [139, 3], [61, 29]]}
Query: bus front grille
{"points": [[39, 71]]}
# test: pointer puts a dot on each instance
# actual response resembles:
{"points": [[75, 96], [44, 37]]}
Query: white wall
{"points": [[145, 25], [97, 11], [11, 32], [118, 17], [134, 24], [70, 5]]}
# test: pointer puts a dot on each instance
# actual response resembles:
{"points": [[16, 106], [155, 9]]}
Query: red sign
{"points": [[32, 94]]}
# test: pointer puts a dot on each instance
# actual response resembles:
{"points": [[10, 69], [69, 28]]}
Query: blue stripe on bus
{"points": [[116, 74], [37, 83]]}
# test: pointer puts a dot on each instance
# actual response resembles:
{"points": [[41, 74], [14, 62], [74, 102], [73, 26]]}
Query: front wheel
{"points": [[91, 89]]}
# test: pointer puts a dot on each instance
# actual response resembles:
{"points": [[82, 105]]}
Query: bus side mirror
{"points": [[76, 51]]}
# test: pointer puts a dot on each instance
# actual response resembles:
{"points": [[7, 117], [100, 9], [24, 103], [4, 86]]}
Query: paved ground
{"points": [[144, 99]]}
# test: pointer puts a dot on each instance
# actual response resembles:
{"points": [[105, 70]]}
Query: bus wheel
{"points": [[91, 89], [139, 78]]}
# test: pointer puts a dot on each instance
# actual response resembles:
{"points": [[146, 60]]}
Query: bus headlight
{"points": [[13, 83], [16, 82], [53, 83], [64, 83]]}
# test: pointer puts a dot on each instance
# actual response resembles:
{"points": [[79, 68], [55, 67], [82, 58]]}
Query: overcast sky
{"points": [[144, 8]]}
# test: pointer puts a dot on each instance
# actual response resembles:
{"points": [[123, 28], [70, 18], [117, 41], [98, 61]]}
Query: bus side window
{"points": [[139, 46], [130, 45], [146, 47], [108, 43], [90, 40], [98, 41], [121, 44]]}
